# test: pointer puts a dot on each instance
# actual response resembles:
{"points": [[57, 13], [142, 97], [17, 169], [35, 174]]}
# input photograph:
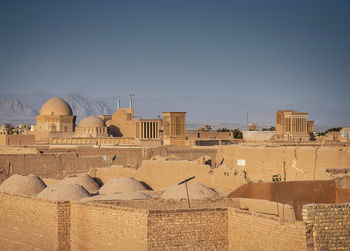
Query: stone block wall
{"points": [[192, 229], [107, 227], [30, 223], [252, 231], [328, 226]]}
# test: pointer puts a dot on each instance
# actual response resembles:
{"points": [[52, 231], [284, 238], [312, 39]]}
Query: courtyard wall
{"points": [[31, 223]]}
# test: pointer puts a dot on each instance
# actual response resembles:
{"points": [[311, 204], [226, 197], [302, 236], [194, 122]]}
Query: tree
{"points": [[10, 128], [224, 130], [237, 134]]}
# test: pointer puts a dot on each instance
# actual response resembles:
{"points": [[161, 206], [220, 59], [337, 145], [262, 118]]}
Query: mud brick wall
{"points": [[252, 231], [61, 164], [29, 223], [105, 227], [187, 229], [184, 153], [328, 226]]}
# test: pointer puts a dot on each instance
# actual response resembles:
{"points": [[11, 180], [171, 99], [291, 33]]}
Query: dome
{"points": [[121, 185], [23, 185], [196, 191], [64, 192], [84, 180], [56, 106], [92, 122]]}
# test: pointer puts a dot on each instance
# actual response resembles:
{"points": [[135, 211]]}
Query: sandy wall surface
{"points": [[252, 231], [159, 175], [30, 223], [4, 150], [291, 162], [294, 193], [36, 224], [104, 227]]}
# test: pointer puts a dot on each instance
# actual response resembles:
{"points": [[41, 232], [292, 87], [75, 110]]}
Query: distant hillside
{"points": [[14, 108], [84, 106], [223, 111]]}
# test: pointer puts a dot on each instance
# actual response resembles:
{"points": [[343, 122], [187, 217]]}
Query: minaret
{"points": [[118, 103], [130, 100]]}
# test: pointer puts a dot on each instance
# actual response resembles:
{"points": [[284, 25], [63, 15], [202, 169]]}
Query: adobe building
{"points": [[174, 128], [345, 133], [4, 130], [56, 119], [253, 127], [124, 124], [92, 127], [293, 126]]}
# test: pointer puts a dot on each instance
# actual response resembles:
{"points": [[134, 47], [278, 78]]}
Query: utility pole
{"points": [[247, 122]]}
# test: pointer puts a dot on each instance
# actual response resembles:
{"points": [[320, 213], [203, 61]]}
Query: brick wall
{"points": [[184, 153], [107, 227], [28, 223], [252, 231], [328, 226], [17, 140], [190, 229], [59, 164], [291, 162]]}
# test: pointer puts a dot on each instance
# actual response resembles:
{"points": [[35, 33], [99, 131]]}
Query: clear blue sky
{"points": [[265, 51]]}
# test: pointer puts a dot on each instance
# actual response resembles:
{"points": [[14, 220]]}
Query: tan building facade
{"points": [[174, 128], [55, 116], [148, 128], [123, 124], [293, 126]]}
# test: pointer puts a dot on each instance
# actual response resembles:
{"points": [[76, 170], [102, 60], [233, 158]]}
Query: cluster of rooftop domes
{"points": [[58, 107]]}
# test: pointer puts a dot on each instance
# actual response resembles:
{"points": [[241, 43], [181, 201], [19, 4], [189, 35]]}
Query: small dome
{"points": [[121, 185], [23, 185], [56, 106], [64, 192], [196, 191], [92, 122], [84, 180]]}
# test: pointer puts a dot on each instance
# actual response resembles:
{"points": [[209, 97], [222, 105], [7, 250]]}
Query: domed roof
{"points": [[64, 192], [92, 122], [56, 106], [23, 185]]}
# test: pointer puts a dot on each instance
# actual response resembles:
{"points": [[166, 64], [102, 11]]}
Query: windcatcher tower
{"points": [[174, 128]]}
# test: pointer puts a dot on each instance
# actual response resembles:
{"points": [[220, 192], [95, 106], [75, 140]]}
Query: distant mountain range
{"points": [[219, 112], [15, 109]]}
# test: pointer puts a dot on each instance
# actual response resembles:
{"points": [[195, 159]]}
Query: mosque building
{"points": [[124, 124], [55, 116], [56, 121], [91, 127]]}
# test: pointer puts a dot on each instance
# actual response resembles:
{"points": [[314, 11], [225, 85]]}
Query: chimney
{"points": [[118, 103]]}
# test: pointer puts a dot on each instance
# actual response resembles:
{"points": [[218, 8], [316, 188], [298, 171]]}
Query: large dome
{"points": [[92, 122], [56, 106]]}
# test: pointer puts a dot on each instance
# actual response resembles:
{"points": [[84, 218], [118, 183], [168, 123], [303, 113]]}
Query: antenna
{"points": [[185, 181]]}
